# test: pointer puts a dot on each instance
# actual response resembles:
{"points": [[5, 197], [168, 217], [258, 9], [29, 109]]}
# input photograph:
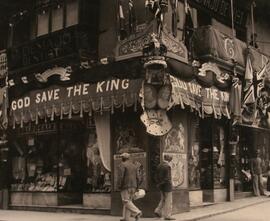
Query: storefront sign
{"points": [[75, 99], [32, 128], [198, 92], [210, 100], [81, 91], [221, 9]]}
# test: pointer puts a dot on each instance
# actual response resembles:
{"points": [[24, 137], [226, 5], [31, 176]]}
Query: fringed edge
{"points": [[81, 109], [70, 110]]}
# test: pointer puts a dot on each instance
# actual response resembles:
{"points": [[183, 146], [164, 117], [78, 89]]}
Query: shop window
{"points": [[71, 162], [55, 16], [72, 13], [219, 156], [98, 176], [194, 155], [206, 159], [34, 164], [42, 23]]}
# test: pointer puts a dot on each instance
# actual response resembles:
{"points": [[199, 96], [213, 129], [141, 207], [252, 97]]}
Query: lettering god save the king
{"points": [[54, 94]]}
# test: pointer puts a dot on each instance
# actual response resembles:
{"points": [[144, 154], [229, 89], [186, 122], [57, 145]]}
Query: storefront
{"points": [[60, 151]]}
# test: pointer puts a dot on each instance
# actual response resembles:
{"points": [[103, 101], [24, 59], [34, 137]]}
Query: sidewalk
{"points": [[195, 214]]}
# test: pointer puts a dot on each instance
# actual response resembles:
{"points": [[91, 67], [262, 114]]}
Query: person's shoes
{"points": [[157, 214], [122, 220], [138, 215], [169, 218]]}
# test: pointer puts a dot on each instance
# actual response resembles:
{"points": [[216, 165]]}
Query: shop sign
{"points": [[198, 92], [43, 49], [221, 9], [82, 91], [31, 128]]}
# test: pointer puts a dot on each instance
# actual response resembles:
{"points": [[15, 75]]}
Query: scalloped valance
{"points": [[75, 99]]}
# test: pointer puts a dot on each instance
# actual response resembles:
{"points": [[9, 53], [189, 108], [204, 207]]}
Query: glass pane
{"points": [[43, 24], [72, 14], [34, 164], [57, 19], [98, 179]]}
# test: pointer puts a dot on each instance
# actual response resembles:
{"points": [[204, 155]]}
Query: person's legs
{"points": [[130, 207], [261, 188], [167, 211], [125, 199], [255, 183], [158, 210]]}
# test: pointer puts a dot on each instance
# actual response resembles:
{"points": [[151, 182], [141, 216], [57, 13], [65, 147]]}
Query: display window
{"points": [[194, 155], [65, 156], [219, 156], [98, 178], [34, 164]]}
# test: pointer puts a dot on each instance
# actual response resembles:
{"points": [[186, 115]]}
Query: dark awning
{"points": [[75, 99]]}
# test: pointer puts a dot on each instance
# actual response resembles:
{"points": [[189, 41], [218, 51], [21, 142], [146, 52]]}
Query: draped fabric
{"points": [[57, 101], [204, 100], [235, 100], [103, 129]]}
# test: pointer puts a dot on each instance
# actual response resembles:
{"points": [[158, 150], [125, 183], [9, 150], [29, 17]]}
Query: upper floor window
{"points": [[55, 15]]}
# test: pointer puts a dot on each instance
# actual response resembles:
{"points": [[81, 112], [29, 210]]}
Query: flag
{"points": [[123, 33], [4, 107], [188, 26], [175, 17], [249, 92], [260, 75], [132, 17], [235, 100]]}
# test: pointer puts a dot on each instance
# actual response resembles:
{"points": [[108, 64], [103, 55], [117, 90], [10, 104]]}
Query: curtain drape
{"points": [[103, 129]]}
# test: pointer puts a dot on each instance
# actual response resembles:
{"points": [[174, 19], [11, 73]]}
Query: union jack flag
{"points": [[249, 95]]}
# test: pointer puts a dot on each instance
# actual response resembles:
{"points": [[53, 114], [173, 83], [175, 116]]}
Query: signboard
{"points": [[210, 100], [80, 91], [221, 10], [33, 128], [78, 98], [178, 169]]}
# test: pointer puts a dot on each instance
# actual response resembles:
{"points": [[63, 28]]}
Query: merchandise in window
{"points": [[34, 164], [98, 178]]}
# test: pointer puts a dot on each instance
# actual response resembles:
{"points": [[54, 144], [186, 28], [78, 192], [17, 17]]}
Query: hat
{"points": [[125, 155]]}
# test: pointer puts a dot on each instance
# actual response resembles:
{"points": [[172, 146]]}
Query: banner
{"points": [[204, 100], [78, 98]]}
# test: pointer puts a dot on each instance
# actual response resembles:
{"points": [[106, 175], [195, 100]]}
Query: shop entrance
{"points": [[71, 164]]}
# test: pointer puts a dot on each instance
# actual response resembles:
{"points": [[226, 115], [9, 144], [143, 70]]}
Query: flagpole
{"points": [[252, 23], [232, 18]]}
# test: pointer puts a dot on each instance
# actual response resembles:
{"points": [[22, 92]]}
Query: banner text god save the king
{"points": [[82, 91]]}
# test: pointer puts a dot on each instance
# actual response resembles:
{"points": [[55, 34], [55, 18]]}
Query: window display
{"points": [[34, 164], [194, 155], [98, 178], [219, 156]]}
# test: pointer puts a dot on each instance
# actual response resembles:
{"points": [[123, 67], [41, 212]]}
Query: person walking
{"points": [[256, 172], [164, 184], [128, 183]]}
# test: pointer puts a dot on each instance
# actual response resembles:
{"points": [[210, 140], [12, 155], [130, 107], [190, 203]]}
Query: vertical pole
{"points": [[252, 23], [232, 18], [10, 36]]}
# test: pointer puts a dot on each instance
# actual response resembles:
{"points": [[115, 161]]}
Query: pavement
{"points": [[195, 214]]}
